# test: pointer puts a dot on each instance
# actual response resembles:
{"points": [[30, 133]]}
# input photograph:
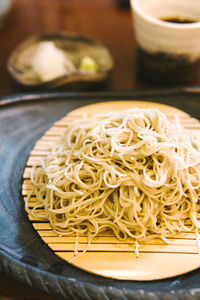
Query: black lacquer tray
{"points": [[23, 255]]}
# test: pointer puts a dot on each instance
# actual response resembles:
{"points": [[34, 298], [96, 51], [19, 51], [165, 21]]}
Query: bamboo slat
{"points": [[112, 240], [50, 233], [40, 226], [106, 255]]}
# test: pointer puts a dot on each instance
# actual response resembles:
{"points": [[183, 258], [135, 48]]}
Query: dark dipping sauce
{"points": [[178, 20]]}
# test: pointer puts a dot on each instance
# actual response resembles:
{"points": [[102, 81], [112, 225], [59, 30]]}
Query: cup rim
{"points": [[135, 6]]}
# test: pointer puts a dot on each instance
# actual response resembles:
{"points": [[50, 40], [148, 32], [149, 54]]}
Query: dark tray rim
{"points": [[104, 95]]}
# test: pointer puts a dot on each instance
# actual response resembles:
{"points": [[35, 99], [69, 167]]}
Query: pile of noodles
{"points": [[132, 172]]}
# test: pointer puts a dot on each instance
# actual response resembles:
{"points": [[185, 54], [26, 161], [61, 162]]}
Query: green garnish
{"points": [[88, 64]]}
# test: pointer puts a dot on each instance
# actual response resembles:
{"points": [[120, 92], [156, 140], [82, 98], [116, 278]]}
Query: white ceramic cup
{"points": [[172, 48]]}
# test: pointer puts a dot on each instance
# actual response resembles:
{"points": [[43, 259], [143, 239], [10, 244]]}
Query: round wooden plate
{"points": [[107, 256]]}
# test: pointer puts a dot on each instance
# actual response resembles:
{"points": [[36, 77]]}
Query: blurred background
{"points": [[106, 21]]}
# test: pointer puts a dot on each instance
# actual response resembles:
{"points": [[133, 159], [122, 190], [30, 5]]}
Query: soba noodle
{"points": [[132, 172]]}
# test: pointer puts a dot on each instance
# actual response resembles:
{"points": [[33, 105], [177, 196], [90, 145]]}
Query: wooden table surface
{"points": [[101, 20]]}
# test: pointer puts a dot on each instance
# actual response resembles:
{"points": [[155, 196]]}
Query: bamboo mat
{"points": [[107, 256]]}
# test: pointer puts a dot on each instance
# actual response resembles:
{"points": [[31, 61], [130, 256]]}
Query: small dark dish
{"points": [[74, 46]]}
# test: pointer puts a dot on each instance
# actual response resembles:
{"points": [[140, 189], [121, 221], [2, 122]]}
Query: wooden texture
{"points": [[107, 256], [101, 20], [10, 289]]}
